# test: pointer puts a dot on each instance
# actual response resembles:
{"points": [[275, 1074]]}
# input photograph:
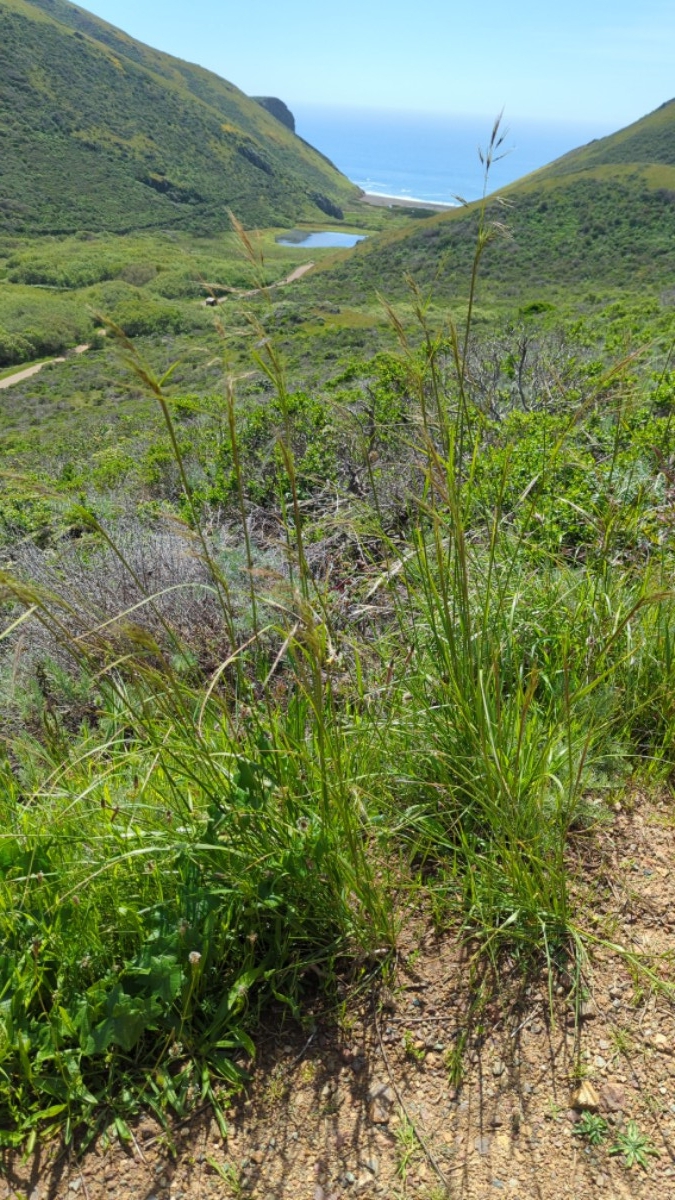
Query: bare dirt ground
{"points": [[370, 1101]]}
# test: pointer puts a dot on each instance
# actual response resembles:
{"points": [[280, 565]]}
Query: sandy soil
{"points": [[363, 1101]]}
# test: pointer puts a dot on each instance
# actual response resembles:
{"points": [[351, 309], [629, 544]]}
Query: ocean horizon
{"points": [[434, 158]]}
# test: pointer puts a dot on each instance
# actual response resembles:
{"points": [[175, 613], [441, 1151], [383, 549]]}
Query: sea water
{"points": [[434, 157]]}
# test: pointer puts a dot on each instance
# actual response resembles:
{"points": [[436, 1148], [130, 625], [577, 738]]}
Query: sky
{"points": [[597, 61]]}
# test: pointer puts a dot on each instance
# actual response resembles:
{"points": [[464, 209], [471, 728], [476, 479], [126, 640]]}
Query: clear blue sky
{"points": [[607, 61]]}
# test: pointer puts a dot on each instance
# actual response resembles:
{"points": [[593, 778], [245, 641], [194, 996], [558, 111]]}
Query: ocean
{"points": [[433, 157]]}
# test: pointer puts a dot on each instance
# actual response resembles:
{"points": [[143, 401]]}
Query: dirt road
{"points": [[297, 273], [26, 372]]}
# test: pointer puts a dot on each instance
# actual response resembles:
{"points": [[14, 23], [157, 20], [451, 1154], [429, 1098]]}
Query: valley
{"points": [[337, 566]]}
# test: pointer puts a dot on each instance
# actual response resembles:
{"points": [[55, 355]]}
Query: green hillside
{"points": [[602, 216], [99, 132], [650, 140]]}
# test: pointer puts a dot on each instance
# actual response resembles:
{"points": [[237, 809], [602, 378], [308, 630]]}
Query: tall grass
{"points": [[209, 844]]}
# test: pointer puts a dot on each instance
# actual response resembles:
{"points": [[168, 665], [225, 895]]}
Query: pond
{"points": [[322, 239]]}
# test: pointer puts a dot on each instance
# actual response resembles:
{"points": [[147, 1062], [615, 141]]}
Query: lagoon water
{"points": [[432, 157], [324, 238]]}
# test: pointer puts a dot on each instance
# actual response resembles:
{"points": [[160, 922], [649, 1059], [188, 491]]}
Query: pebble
{"points": [[482, 1145], [499, 1067], [379, 1113], [612, 1098], [586, 1098]]}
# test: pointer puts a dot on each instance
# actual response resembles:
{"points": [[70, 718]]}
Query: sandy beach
{"points": [[403, 202]]}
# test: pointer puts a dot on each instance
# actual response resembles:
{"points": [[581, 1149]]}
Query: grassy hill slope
{"points": [[98, 131], [602, 216]]}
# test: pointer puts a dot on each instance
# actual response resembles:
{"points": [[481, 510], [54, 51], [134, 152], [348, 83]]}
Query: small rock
{"points": [[482, 1145], [381, 1097], [349, 1177], [498, 1068], [586, 1099], [612, 1098], [660, 1042], [379, 1112], [372, 1165]]}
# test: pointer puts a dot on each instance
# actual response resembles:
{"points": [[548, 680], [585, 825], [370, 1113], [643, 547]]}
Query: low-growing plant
{"points": [[634, 1146], [593, 1127], [407, 1146]]}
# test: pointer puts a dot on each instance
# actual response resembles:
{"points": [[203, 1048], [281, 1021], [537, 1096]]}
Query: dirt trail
{"points": [[296, 273], [428, 1090], [26, 372]]}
